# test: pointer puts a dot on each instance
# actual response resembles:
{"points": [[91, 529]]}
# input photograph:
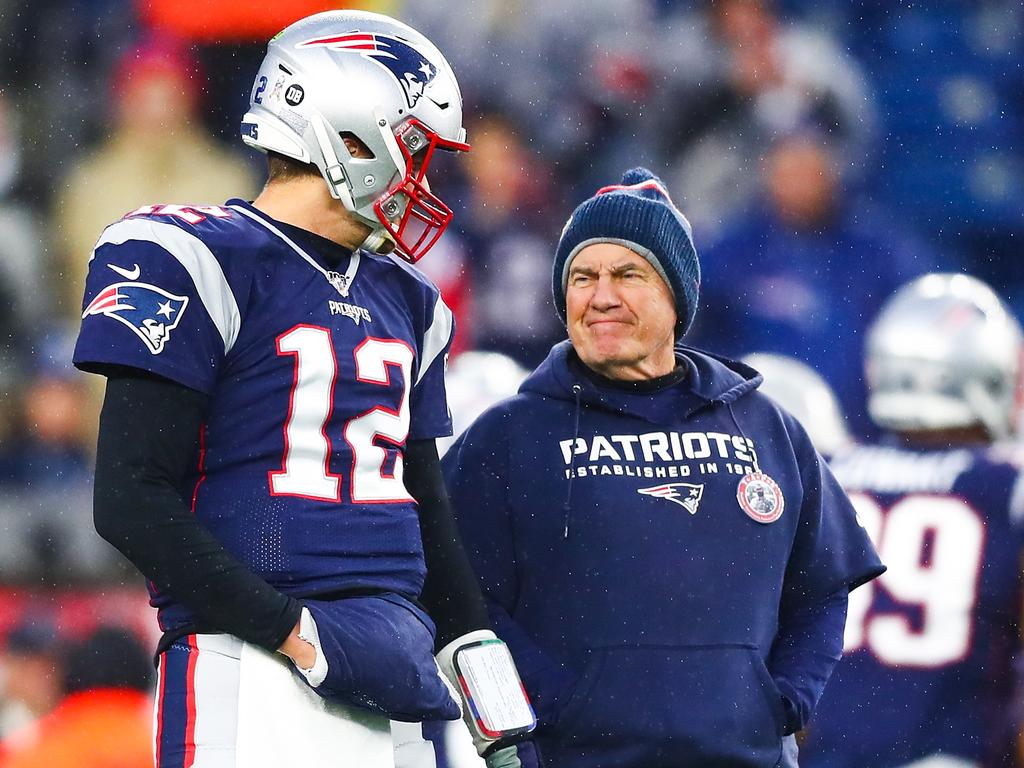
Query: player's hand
{"points": [[297, 645], [376, 652]]}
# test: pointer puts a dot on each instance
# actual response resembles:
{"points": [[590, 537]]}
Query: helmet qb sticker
{"points": [[760, 497]]}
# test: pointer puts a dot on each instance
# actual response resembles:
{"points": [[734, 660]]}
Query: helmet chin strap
{"points": [[378, 241]]}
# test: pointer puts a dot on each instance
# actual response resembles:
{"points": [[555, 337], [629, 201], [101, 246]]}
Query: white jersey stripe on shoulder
{"points": [[197, 259], [436, 337]]}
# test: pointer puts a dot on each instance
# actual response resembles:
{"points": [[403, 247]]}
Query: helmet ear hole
{"points": [[356, 146]]}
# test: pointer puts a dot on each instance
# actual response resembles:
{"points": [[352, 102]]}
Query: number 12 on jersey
{"points": [[305, 470]]}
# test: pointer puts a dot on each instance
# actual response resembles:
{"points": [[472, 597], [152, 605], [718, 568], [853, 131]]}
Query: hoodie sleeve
{"points": [[831, 549], [476, 474], [831, 555]]}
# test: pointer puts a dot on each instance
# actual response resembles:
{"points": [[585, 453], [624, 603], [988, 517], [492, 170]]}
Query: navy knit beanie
{"points": [[637, 214]]}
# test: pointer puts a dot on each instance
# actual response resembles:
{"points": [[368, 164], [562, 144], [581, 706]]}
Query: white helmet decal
{"points": [[411, 69]]}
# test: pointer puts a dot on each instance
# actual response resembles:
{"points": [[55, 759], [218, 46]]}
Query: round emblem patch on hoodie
{"points": [[760, 497]]}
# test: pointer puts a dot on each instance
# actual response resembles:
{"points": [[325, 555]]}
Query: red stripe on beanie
{"points": [[649, 184]]}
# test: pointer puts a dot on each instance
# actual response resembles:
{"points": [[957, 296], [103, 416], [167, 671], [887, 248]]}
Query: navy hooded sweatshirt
{"points": [[664, 565]]}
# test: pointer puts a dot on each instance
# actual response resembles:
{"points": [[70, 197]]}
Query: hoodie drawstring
{"points": [[747, 440], [576, 389]]}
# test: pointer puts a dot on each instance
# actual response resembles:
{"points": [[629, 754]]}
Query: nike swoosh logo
{"points": [[130, 274]]}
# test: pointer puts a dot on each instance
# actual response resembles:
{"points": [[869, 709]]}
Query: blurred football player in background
{"points": [[803, 393], [275, 384], [926, 679], [476, 381]]}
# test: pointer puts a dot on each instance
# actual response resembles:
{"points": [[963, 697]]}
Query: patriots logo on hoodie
{"points": [[151, 312], [688, 499]]}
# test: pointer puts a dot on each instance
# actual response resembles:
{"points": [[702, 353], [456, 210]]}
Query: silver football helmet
{"points": [[800, 390], [354, 74], [475, 381], [944, 353]]}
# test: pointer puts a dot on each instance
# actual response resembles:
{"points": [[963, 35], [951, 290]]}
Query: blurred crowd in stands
{"points": [[825, 152]]}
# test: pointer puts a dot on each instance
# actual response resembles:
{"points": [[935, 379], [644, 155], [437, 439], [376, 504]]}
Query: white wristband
{"points": [[495, 707]]}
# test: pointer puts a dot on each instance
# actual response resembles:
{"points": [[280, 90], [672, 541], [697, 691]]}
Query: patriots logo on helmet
{"points": [[410, 67], [151, 312], [669, 491]]}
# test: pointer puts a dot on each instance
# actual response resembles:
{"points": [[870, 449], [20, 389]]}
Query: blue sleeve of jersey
{"points": [[428, 403], [476, 474], [156, 299]]}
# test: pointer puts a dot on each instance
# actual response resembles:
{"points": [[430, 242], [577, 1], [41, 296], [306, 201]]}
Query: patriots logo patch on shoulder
{"points": [[151, 312], [410, 67], [688, 497]]}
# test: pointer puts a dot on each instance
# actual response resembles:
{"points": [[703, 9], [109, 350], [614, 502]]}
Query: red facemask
{"points": [[424, 217]]}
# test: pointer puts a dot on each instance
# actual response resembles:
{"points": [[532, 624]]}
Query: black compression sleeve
{"points": [[148, 441], [451, 593]]}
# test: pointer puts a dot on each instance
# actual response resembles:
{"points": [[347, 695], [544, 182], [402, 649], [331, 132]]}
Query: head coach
{"points": [[659, 543]]}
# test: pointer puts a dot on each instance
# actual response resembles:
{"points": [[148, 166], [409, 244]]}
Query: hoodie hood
{"points": [[709, 379]]}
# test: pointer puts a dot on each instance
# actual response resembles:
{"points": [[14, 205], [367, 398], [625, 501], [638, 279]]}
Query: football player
{"points": [[266, 454], [802, 392], [475, 381], [926, 677]]}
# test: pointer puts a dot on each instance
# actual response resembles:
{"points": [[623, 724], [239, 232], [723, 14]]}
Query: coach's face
{"points": [[620, 314]]}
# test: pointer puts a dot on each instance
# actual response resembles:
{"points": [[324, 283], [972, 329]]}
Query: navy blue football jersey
{"points": [[928, 646], [319, 365]]}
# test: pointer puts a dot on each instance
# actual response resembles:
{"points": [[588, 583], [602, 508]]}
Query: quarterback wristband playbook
{"points": [[495, 706]]}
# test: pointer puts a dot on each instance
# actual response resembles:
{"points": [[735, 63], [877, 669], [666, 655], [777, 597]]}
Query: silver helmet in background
{"points": [[944, 353], [475, 381], [806, 395], [355, 75]]}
